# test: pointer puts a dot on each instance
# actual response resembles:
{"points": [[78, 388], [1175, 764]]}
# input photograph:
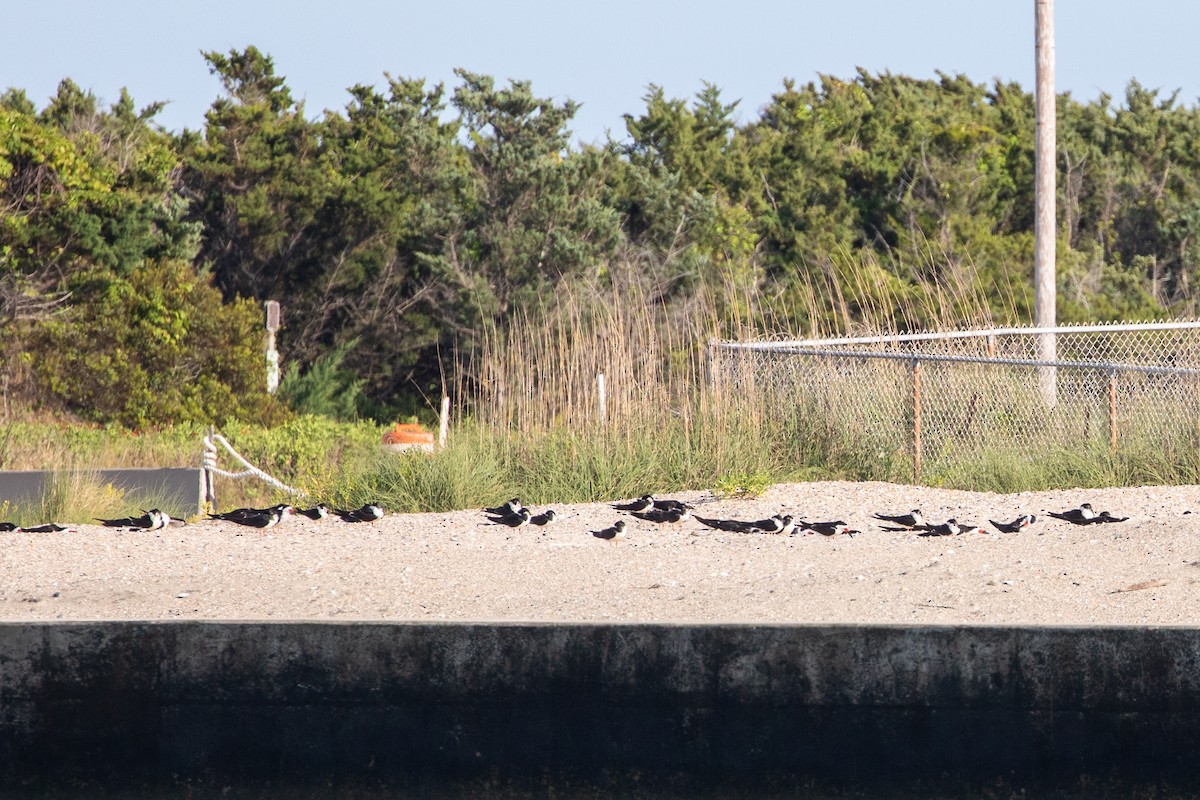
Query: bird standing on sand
{"points": [[544, 518], [617, 531]]}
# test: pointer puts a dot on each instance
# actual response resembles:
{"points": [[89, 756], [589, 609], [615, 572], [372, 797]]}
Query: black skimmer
{"points": [[912, 519], [662, 516], [7, 527], [367, 513], [780, 525], [617, 531], [511, 508], [151, 520], [239, 514], [773, 524], [948, 528], [671, 505], [1021, 522], [317, 513], [49, 527], [1078, 516], [544, 518], [643, 503], [1103, 517], [263, 518], [831, 528], [518, 520]]}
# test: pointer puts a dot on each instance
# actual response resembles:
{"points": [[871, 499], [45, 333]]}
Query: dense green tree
{"points": [[155, 347], [255, 179], [103, 310], [532, 214], [400, 228]]}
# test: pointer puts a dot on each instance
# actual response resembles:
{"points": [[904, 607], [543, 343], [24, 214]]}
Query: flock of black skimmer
{"points": [[660, 511], [262, 518], [665, 511]]}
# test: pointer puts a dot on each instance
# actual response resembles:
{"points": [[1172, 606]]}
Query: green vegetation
{"points": [[404, 229], [430, 240]]}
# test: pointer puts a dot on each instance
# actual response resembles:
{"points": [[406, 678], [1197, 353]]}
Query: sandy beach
{"points": [[459, 566]]}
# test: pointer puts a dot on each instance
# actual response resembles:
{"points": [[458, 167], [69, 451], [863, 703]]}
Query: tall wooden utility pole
{"points": [[1045, 225]]}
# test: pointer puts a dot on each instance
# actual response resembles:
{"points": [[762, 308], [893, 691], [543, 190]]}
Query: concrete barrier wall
{"points": [[671, 709], [181, 487]]}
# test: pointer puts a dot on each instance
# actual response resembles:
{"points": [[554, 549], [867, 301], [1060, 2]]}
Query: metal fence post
{"points": [[1112, 411], [916, 390]]}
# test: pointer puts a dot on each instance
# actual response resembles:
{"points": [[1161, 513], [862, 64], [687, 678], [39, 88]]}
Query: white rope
{"points": [[209, 463]]}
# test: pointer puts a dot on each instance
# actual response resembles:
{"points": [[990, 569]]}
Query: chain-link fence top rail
{"points": [[933, 407]]}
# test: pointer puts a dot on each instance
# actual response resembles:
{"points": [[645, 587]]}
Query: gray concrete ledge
{"points": [[181, 488], [662, 710]]}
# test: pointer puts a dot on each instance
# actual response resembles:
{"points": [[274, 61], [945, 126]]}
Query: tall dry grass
{"points": [[530, 402], [529, 411]]}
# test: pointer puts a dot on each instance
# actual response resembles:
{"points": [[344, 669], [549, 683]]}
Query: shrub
{"points": [[155, 348]]}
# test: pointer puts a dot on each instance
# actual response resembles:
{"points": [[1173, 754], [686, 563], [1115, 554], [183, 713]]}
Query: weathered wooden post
{"points": [[210, 491], [709, 366], [272, 313], [1045, 178]]}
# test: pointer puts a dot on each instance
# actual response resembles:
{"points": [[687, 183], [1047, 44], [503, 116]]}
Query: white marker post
{"points": [[272, 312], [444, 423]]}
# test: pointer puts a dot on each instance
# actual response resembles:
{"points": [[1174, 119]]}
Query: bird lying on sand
{"points": [[1021, 522], [367, 513], [1086, 515], [518, 520], [774, 524], [911, 520], [151, 520], [511, 508]]}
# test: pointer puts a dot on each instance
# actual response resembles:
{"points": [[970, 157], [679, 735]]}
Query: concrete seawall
{"points": [[181, 488], [661, 709]]}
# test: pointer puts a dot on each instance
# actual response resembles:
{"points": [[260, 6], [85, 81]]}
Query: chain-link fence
{"points": [[941, 404]]}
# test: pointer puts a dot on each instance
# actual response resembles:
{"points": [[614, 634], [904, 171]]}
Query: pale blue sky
{"points": [[602, 55]]}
